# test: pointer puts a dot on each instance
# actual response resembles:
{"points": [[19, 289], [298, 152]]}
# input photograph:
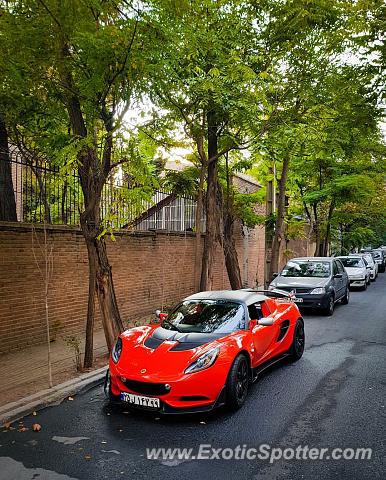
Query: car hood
{"points": [[299, 282], [151, 351], [355, 270]]}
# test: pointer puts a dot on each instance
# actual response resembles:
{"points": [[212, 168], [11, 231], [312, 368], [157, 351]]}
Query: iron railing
{"points": [[43, 193]]}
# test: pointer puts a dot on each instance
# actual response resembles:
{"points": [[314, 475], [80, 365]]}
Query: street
{"points": [[334, 397]]}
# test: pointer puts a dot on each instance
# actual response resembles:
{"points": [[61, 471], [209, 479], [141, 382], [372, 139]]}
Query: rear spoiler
{"points": [[276, 293]]}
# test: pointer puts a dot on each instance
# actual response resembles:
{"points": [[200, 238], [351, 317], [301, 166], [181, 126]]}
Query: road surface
{"points": [[333, 398]]}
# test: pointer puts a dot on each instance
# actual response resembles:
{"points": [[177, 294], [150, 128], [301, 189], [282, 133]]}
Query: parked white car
{"points": [[379, 258], [369, 259], [356, 268]]}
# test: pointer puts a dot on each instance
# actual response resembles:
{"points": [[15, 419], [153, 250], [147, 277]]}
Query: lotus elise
{"points": [[206, 352]]}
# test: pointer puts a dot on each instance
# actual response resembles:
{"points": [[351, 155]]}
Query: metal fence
{"points": [[43, 193]]}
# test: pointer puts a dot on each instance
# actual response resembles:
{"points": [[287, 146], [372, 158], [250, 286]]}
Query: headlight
{"points": [[317, 291], [205, 361], [117, 350]]}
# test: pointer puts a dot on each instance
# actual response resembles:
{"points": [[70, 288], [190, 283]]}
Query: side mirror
{"points": [[274, 275], [160, 315], [368, 267], [338, 275], [266, 322], [253, 324]]}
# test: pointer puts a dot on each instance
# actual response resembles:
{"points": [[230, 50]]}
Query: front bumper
{"points": [[190, 393], [355, 282], [313, 301]]}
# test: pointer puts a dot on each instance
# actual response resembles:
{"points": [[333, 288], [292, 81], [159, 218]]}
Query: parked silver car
{"points": [[358, 270], [320, 282]]}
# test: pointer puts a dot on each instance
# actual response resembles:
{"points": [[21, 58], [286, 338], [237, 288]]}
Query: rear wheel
{"points": [[329, 310], [346, 297], [297, 347], [238, 382]]}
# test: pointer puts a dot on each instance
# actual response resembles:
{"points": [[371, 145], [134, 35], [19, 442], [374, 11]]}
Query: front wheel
{"points": [[238, 383], [329, 310], [346, 297], [298, 342], [365, 285]]}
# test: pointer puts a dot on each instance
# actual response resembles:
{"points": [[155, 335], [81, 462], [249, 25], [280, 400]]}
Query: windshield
{"points": [[352, 262], [307, 268], [206, 316]]}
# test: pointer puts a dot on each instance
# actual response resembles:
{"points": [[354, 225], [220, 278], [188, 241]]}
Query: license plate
{"points": [[140, 401], [298, 300]]}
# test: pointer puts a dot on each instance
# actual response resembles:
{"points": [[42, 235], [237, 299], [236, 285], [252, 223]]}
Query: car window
{"points": [[206, 316], [340, 266], [306, 268], [369, 259], [335, 268], [255, 312], [353, 262]]}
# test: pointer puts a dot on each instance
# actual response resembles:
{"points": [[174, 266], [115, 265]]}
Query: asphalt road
{"points": [[334, 397]]}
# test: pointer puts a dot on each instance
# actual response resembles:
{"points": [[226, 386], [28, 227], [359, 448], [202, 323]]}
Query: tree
{"points": [[211, 81], [79, 65], [342, 159], [7, 196]]}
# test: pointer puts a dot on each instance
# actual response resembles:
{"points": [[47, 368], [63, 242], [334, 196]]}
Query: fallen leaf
{"points": [[22, 429], [202, 423], [87, 457], [7, 425], [70, 399], [36, 427], [34, 414]]}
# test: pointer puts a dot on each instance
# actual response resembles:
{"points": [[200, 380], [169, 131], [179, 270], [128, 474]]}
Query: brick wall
{"points": [[150, 270]]}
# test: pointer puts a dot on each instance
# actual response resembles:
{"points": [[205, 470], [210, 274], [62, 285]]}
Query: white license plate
{"points": [[140, 401], [298, 300]]}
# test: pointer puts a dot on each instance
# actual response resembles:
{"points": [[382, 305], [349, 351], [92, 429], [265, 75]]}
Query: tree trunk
{"points": [[230, 252], [279, 224], [101, 283], [324, 241], [229, 246], [89, 342], [210, 205], [7, 196], [198, 225]]}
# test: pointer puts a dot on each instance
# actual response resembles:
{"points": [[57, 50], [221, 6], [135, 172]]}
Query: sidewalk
{"points": [[25, 372]]}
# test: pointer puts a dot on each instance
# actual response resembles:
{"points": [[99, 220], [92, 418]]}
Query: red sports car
{"points": [[206, 352]]}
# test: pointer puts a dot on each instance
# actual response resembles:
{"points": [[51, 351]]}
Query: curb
{"points": [[16, 410]]}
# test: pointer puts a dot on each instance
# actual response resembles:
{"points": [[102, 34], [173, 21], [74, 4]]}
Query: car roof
{"points": [[352, 255], [312, 259], [245, 296]]}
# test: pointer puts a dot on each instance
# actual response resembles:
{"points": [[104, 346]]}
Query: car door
{"points": [[337, 280], [345, 280], [262, 336]]}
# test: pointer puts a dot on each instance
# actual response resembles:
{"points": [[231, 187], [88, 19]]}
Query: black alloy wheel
{"points": [[298, 342], [238, 383]]}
